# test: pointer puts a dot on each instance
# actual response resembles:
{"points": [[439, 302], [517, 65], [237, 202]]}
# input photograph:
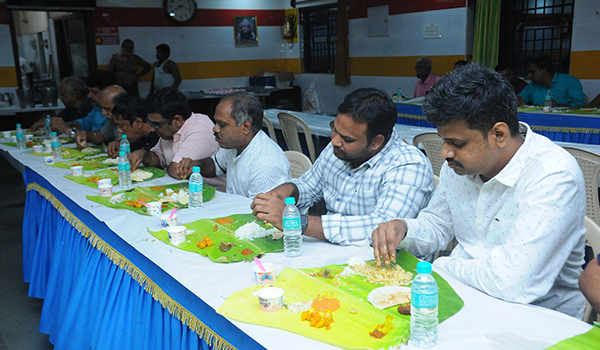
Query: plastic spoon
{"points": [[172, 212], [259, 264]]}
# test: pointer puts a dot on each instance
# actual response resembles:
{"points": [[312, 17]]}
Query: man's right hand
{"points": [[135, 158], [386, 238], [81, 138], [39, 124], [520, 101], [58, 124], [113, 149]]}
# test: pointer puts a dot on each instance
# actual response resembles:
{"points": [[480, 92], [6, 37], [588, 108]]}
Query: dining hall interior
{"points": [[303, 58]]}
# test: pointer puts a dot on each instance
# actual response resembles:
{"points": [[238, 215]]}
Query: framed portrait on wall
{"points": [[244, 29]]}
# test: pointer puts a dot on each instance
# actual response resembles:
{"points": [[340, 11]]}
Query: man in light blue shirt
{"points": [[566, 90], [366, 175]]}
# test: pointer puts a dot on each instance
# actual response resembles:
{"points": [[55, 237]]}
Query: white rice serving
{"points": [[253, 230]]}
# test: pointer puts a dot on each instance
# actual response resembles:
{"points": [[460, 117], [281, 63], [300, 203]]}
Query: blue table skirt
{"points": [[556, 127], [99, 293]]}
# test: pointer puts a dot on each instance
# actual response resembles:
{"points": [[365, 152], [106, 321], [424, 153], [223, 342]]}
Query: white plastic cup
{"points": [[176, 234], [49, 160], [265, 278], [154, 208], [6, 134], [270, 299], [48, 148], [77, 170], [165, 221], [105, 190], [104, 182], [38, 149], [28, 137]]}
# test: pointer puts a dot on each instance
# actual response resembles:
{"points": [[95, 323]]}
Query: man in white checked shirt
{"points": [[366, 175], [513, 199]]}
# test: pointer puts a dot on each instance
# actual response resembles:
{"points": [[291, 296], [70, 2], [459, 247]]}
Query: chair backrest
{"points": [[432, 143], [270, 128], [589, 162], [592, 239], [289, 128], [299, 163]]}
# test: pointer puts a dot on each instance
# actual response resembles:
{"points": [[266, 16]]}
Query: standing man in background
{"points": [[426, 78], [166, 72], [124, 64]]}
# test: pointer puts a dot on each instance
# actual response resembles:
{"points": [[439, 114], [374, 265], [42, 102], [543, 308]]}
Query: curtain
{"points": [[342, 55], [487, 32]]}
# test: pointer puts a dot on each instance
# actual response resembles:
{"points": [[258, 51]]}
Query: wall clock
{"points": [[180, 11]]}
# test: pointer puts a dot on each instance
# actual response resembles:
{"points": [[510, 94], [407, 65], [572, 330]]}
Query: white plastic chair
{"points": [[592, 239], [270, 128], [432, 143], [289, 128], [589, 162], [299, 163]]}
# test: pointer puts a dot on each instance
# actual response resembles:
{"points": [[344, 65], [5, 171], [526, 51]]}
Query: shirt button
{"points": [[478, 222], [349, 174], [338, 199]]}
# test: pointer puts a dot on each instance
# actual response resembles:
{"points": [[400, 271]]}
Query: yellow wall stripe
{"points": [[585, 64], [8, 77]]}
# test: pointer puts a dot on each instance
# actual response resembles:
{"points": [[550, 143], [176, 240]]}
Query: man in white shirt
{"points": [[252, 161], [514, 200]]}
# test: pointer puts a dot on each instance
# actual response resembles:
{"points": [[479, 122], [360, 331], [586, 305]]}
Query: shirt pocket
{"points": [[364, 200], [500, 230]]}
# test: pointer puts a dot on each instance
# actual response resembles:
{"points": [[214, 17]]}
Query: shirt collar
{"points": [[511, 172], [178, 134], [429, 80], [371, 162]]}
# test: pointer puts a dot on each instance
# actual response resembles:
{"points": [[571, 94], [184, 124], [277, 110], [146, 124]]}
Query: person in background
{"points": [[566, 89], [426, 78], [252, 161], [595, 101], [109, 133], [507, 72], [589, 283], [460, 64], [130, 117], [166, 72], [124, 64], [183, 134], [366, 175], [73, 94], [513, 199], [95, 120]]}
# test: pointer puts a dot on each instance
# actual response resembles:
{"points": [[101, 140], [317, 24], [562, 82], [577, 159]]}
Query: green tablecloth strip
{"points": [[589, 340], [113, 175], [150, 194], [224, 233], [88, 163], [69, 153], [349, 330]]}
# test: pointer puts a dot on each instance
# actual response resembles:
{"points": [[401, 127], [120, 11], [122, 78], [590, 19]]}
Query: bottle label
{"points": [[292, 224], [47, 123], [55, 144], [123, 167], [125, 148], [20, 136], [194, 187], [424, 301]]}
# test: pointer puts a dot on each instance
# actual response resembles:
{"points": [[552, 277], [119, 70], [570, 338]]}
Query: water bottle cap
{"points": [[196, 169], [54, 133], [290, 200], [18, 125], [123, 136], [121, 153], [423, 267]]}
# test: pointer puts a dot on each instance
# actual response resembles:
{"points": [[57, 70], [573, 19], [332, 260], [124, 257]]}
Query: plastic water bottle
{"points": [[548, 102], [424, 308], [292, 229], [124, 145], [124, 171], [56, 149], [196, 187], [20, 135], [48, 131], [399, 93]]}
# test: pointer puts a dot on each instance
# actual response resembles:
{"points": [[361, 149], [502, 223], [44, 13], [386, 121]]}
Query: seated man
{"points": [[595, 101], [589, 282], [566, 89], [95, 120], [426, 78], [73, 94], [513, 199], [459, 64], [517, 83], [366, 175], [130, 117], [252, 161], [109, 132], [183, 134]]}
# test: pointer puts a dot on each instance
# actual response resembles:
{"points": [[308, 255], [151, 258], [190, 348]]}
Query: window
{"points": [[320, 36], [531, 28]]}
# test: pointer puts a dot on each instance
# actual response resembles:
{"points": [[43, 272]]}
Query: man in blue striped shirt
{"points": [[366, 175]]}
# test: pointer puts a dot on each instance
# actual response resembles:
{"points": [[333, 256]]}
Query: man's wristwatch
{"points": [[303, 222], [73, 131]]}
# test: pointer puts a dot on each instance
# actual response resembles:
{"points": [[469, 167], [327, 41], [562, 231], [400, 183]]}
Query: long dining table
{"points": [[107, 283]]}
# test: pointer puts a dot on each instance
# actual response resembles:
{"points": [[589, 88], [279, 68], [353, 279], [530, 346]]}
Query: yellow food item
{"points": [[392, 276], [317, 320], [201, 244], [92, 179], [321, 303]]}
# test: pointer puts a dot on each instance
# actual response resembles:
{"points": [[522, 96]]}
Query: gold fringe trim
{"points": [[174, 308], [533, 127]]}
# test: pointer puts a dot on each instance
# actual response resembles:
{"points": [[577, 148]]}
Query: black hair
{"points": [[75, 86], [126, 40], [129, 107], [543, 62], [460, 64], [168, 102], [164, 48], [245, 106], [101, 79], [502, 66], [476, 95], [373, 107]]}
